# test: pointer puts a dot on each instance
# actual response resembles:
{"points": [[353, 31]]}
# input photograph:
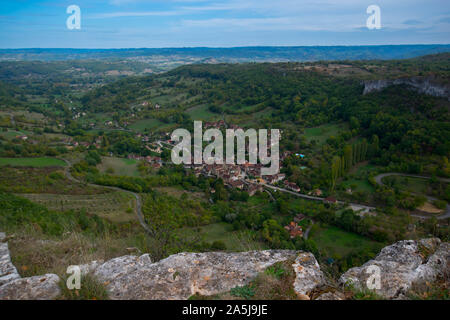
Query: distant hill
{"points": [[238, 54]]}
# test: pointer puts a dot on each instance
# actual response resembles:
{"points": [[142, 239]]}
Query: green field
{"points": [[322, 133], [120, 166], [11, 134], [141, 125], [201, 113], [333, 241], [32, 162], [236, 241], [416, 185], [361, 185]]}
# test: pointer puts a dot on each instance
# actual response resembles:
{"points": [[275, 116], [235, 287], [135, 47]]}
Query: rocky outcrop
{"points": [[422, 85], [308, 276], [401, 266], [185, 274], [8, 271], [13, 287], [336, 295], [34, 288]]}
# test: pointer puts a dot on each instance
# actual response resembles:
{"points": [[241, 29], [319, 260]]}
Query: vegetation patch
{"points": [[119, 166], [32, 162]]}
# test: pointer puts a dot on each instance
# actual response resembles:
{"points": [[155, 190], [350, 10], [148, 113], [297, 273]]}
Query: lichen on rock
{"points": [[402, 265]]}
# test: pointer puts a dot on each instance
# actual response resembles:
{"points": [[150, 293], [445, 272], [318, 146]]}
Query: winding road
{"points": [[355, 206], [139, 213], [379, 179]]}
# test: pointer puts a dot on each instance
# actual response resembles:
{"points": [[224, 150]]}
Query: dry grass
{"points": [[115, 206], [429, 208], [177, 193], [34, 255]]}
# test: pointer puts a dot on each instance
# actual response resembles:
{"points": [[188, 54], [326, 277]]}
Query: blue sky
{"points": [[220, 23]]}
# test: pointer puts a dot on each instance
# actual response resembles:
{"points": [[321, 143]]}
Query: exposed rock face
{"points": [[331, 296], [7, 270], [402, 265], [12, 287], [422, 85], [34, 288], [308, 275], [185, 274]]}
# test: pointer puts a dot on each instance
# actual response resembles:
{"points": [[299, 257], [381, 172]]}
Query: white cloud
{"points": [[135, 14]]}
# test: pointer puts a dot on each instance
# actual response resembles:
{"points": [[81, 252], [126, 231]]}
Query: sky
{"points": [[221, 23]]}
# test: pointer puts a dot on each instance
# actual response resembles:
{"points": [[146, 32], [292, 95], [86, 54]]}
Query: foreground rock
{"points": [[402, 266], [308, 275], [34, 288], [336, 295], [7, 270], [185, 274], [12, 287]]}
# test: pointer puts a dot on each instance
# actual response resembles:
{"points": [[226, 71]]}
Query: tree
{"points": [[375, 146], [348, 157], [335, 171], [364, 150], [354, 123]]}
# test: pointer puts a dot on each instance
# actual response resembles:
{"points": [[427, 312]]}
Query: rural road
{"points": [[139, 213], [379, 180], [305, 196]]}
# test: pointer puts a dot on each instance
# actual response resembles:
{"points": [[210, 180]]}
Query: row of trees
{"points": [[351, 155]]}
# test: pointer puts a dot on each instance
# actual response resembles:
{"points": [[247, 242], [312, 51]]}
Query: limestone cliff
{"points": [[423, 85]]}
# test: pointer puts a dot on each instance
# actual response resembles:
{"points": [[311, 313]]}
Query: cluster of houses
{"points": [[70, 143], [146, 104], [155, 162], [293, 228], [245, 176], [78, 115]]}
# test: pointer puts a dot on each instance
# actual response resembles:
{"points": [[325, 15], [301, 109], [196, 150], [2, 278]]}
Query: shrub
{"points": [[245, 292], [91, 289]]}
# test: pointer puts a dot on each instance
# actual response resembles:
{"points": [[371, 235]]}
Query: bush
{"points": [[218, 245], [245, 292], [91, 289]]}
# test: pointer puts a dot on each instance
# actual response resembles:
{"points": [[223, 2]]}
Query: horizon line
{"points": [[231, 47]]}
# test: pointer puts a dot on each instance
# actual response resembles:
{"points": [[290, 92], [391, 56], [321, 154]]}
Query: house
{"points": [[292, 186], [294, 230], [156, 165], [237, 184], [330, 200], [316, 192], [275, 178], [299, 217], [23, 137]]}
